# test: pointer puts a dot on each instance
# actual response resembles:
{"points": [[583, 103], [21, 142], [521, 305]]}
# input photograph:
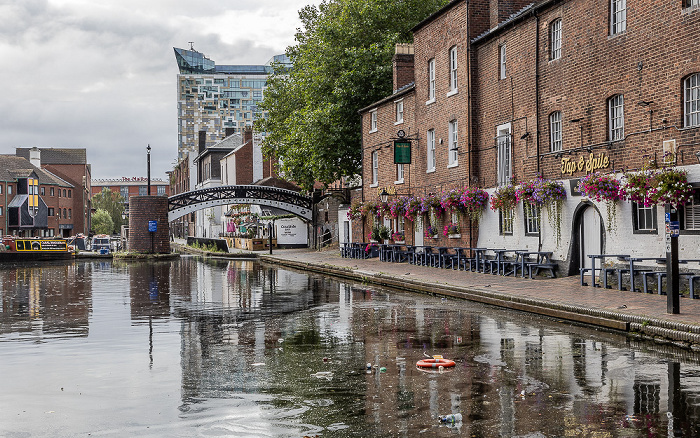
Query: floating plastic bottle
{"points": [[450, 419]]}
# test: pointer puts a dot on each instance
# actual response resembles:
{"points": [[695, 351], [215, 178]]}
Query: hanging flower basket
{"points": [[504, 198], [451, 200], [431, 231], [473, 201], [540, 192], [603, 188], [412, 207], [395, 207], [432, 202], [355, 212], [652, 187]]}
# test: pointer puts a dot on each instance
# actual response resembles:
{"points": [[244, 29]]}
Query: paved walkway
{"points": [[559, 297]]}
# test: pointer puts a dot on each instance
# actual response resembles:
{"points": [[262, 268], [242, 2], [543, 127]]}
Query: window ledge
{"points": [[374, 185], [398, 182], [373, 130], [452, 92], [430, 101], [398, 123], [454, 236], [430, 170], [449, 166]]}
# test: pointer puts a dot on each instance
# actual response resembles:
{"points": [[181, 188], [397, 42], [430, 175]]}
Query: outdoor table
{"points": [[541, 257], [503, 262], [640, 259], [602, 257], [424, 255], [442, 252], [479, 256], [397, 254], [459, 251]]}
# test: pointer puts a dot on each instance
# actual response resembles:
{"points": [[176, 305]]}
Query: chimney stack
{"points": [[202, 141], [35, 157], [403, 64]]}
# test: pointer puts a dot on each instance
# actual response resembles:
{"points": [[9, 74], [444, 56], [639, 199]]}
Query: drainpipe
{"points": [[537, 111], [469, 115]]}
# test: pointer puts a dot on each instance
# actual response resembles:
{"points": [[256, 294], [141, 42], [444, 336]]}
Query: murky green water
{"points": [[234, 348]]}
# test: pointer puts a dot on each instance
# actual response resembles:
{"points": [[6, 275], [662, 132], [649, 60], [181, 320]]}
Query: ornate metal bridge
{"points": [[287, 200]]}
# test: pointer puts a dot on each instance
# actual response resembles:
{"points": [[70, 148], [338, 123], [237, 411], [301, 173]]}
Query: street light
{"points": [[384, 195], [148, 170]]}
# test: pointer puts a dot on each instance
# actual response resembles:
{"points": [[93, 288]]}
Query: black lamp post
{"points": [[148, 169]]}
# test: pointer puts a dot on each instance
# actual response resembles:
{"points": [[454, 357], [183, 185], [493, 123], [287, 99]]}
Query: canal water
{"points": [[236, 348]]}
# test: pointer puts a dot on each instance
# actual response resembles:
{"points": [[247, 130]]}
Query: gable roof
{"points": [[13, 167], [56, 156]]}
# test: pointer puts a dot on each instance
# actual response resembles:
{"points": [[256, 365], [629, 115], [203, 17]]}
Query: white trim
{"points": [[452, 93]]}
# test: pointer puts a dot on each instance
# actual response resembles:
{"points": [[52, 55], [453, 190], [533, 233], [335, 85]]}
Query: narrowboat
{"points": [[34, 248]]}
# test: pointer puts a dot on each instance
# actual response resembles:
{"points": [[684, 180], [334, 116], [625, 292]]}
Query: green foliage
{"points": [[342, 63], [113, 204], [102, 222]]}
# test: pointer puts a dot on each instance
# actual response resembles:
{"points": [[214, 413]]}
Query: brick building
{"points": [[34, 202], [505, 91], [71, 166]]}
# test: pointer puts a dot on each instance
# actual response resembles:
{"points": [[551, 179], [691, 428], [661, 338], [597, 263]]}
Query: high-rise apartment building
{"points": [[217, 100]]}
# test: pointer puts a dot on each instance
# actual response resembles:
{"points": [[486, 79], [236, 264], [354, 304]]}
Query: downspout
{"points": [[362, 167], [537, 111], [469, 115]]}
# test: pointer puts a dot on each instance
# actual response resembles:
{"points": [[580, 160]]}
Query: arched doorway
{"points": [[588, 236]]}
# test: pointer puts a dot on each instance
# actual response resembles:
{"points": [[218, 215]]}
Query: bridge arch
{"points": [[184, 203]]}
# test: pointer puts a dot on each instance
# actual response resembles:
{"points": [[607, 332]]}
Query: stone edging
{"points": [[680, 334]]}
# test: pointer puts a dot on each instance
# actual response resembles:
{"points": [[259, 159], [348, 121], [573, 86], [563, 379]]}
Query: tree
{"points": [[102, 222], [342, 63], [113, 204]]}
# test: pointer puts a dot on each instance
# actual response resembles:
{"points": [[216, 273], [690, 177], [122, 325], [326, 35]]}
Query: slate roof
{"points": [[13, 167], [56, 156]]}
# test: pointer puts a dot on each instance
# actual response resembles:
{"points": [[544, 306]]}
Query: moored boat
{"points": [[34, 248]]}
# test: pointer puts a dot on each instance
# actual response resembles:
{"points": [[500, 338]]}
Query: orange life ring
{"points": [[435, 363]]}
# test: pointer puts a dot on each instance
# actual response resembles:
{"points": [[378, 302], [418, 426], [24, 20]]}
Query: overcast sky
{"points": [[101, 74]]}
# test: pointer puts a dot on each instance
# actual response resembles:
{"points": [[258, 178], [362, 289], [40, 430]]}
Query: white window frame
{"points": [[616, 118], [399, 111], [375, 169], [647, 213], [555, 132], [505, 153], [399, 174], [691, 213], [691, 100], [555, 40], [453, 144], [431, 81], [373, 121], [505, 221], [692, 3], [453, 71], [532, 218], [502, 61], [430, 141], [618, 16]]}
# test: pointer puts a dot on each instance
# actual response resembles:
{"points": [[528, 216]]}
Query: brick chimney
{"points": [[248, 134], [502, 9], [403, 65], [202, 141], [35, 157], [229, 132]]}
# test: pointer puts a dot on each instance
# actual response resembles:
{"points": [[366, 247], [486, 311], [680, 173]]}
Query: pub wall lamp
{"points": [[384, 195]]}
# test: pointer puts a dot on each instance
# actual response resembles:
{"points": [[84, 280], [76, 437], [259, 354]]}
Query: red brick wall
{"points": [[403, 70], [244, 164], [141, 210], [79, 201], [640, 64]]}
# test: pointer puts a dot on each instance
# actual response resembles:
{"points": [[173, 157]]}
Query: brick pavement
{"points": [[559, 297]]}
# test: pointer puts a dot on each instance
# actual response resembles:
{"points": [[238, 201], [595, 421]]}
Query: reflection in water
{"points": [[236, 348]]}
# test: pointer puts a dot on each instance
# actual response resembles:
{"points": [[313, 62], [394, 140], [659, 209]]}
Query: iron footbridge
{"points": [[184, 203]]}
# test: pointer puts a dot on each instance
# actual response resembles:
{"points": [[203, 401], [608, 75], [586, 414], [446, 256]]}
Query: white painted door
{"points": [[418, 233], [590, 235]]}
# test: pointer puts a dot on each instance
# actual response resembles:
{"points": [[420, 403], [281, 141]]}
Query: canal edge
{"points": [[658, 330]]}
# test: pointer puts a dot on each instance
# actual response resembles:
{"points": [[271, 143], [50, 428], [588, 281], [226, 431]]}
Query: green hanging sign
{"points": [[402, 152]]}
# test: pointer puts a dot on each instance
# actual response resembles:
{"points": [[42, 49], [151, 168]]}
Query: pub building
{"points": [[533, 98]]}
